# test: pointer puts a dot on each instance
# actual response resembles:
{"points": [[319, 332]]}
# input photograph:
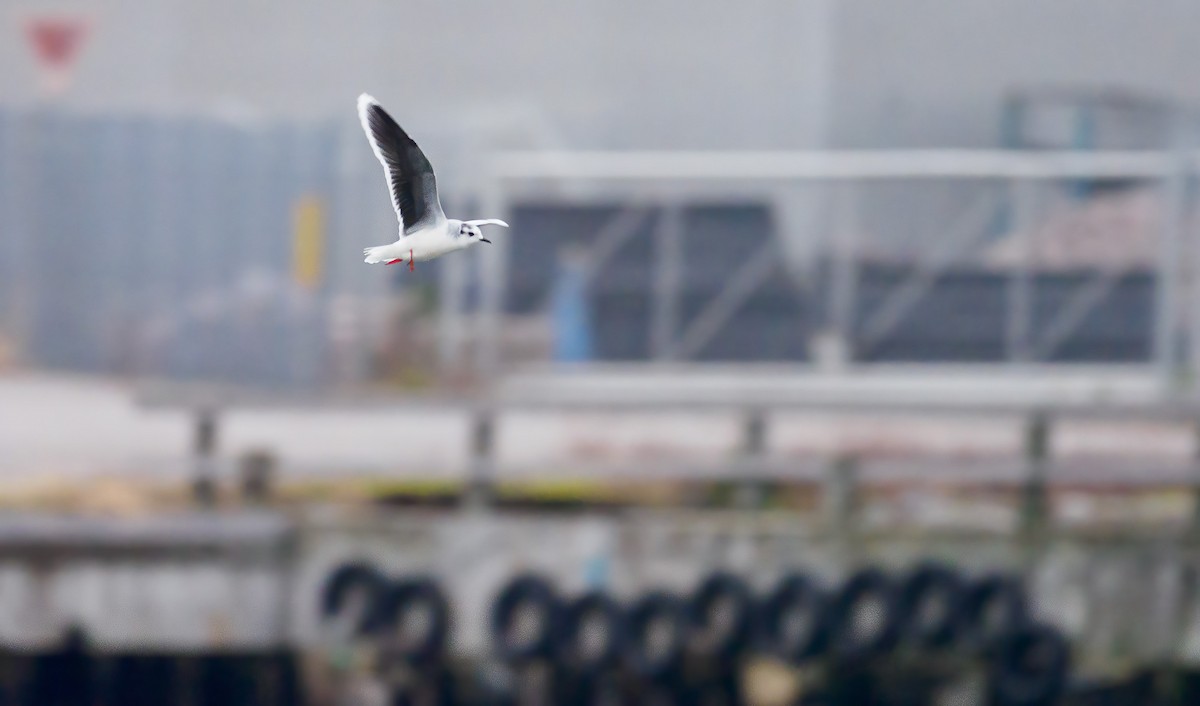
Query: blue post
{"points": [[571, 318]]}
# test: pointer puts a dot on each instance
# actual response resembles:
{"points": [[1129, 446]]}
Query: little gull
{"points": [[425, 232]]}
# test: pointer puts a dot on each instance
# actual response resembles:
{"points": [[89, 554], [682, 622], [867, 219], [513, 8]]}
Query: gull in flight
{"points": [[425, 232]]}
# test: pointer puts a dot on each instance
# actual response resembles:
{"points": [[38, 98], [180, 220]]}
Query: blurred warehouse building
{"points": [[192, 205]]}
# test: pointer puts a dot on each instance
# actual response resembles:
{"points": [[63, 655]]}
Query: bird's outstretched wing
{"points": [[487, 222], [409, 174]]}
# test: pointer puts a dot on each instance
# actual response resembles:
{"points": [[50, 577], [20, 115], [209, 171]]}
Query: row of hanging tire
{"points": [[931, 609]]}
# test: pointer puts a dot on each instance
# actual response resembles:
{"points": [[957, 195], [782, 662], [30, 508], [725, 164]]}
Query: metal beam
{"points": [[1074, 390], [900, 301], [617, 231], [1070, 316], [837, 164], [747, 278]]}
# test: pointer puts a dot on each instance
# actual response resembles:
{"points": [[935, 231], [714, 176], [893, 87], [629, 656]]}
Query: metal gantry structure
{"points": [[667, 178]]}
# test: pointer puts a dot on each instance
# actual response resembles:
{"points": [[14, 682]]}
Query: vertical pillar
{"points": [[750, 488], [843, 299], [570, 308], [668, 274], [1020, 286], [1195, 528], [204, 447], [480, 489], [840, 501], [493, 279], [1034, 502], [1169, 281]]}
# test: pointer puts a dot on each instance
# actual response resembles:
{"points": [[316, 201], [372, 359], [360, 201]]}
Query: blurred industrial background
{"points": [[839, 352]]}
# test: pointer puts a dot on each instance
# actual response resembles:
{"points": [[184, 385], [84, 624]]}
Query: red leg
{"points": [[392, 262], [412, 265]]}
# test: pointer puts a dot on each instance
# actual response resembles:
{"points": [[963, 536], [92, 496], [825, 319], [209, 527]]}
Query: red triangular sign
{"points": [[56, 42]]}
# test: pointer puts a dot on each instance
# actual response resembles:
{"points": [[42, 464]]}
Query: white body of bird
{"points": [[422, 245], [425, 232]]}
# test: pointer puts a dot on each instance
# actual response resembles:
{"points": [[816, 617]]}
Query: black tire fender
{"points": [[407, 595], [649, 610], [1029, 666], [796, 594], [536, 594], [342, 582], [993, 606], [736, 638], [576, 616], [931, 586], [848, 608]]}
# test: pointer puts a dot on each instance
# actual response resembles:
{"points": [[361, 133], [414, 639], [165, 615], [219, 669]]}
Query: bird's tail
{"points": [[375, 255]]}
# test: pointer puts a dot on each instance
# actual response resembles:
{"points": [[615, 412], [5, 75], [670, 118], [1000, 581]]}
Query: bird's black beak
{"points": [[485, 240]]}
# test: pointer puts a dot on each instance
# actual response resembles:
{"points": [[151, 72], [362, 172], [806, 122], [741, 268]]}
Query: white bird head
{"points": [[471, 229]]}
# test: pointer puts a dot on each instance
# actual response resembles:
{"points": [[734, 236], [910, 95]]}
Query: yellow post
{"points": [[308, 241]]}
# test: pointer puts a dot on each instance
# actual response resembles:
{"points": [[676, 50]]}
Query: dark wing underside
{"points": [[409, 173]]}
